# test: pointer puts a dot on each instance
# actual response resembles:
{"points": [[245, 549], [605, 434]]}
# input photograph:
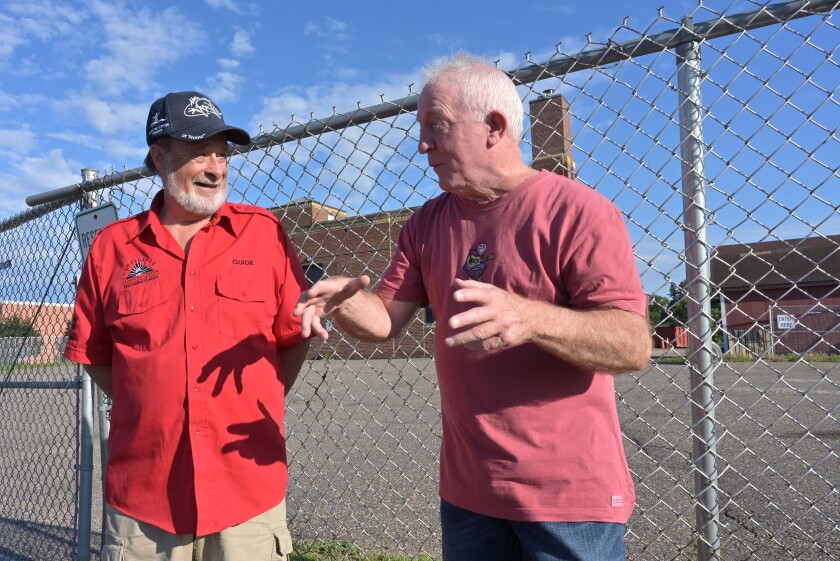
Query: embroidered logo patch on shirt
{"points": [[476, 261], [139, 271], [617, 501]]}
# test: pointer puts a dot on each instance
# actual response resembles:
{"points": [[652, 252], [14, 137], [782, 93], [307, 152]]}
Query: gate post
{"points": [[707, 509]]}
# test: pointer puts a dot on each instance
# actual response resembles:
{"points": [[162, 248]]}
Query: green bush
{"points": [[16, 326]]}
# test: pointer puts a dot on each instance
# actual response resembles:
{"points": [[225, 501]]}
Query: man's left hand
{"points": [[499, 319]]}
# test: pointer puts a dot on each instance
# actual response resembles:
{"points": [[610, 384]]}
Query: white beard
{"points": [[192, 202]]}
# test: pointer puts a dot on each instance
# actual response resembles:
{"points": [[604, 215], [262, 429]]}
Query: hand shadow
{"points": [[263, 441], [234, 360]]}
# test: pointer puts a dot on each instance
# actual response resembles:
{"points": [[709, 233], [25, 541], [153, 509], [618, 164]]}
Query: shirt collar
{"points": [[223, 217]]}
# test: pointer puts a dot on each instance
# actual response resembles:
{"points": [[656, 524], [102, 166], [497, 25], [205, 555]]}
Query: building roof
{"points": [[781, 263]]}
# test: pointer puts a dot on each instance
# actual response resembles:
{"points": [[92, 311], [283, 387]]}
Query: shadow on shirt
{"points": [[236, 359], [262, 440]]}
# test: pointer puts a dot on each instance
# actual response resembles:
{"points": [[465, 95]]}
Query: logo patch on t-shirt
{"points": [[477, 260], [617, 501], [139, 271]]}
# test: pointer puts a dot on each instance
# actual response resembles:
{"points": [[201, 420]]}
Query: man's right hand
{"points": [[325, 297]]}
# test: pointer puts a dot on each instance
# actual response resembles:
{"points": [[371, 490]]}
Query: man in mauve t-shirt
{"points": [[532, 280]]}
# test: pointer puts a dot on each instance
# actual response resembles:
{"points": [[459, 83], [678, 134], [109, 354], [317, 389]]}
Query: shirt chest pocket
{"points": [[144, 321], [243, 307]]}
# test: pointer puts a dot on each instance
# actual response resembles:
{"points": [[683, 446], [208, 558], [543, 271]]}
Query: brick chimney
{"points": [[551, 134]]}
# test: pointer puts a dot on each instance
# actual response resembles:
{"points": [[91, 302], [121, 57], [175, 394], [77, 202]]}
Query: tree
{"points": [[677, 309], [15, 326], [658, 313]]}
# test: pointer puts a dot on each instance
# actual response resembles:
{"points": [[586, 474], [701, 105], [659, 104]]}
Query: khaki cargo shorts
{"points": [[263, 538]]}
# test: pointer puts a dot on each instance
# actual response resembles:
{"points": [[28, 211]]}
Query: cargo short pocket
{"points": [[282, 544], [113, 552]]}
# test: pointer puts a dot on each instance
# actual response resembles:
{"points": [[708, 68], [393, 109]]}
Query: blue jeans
{"points": [[468, 536]]}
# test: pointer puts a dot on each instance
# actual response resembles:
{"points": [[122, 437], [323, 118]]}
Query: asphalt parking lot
{"points": [[363, 439]]}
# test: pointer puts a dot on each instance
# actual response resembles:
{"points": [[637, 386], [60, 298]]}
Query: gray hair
{"points": [[149, 161], [483, 88]]}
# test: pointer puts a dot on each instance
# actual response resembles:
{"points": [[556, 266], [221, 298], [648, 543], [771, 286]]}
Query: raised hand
{"points": [[325, 297], [499, 319]]}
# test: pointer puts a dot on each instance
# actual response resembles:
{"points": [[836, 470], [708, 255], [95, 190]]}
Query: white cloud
{"points": [[105, 116], [241, 43], [321, 99], [16, 143], [228, 63], [137, 44], [34, 175], [330, 28], [227, 4], [224, 86], [23, 22], [11, 38]]}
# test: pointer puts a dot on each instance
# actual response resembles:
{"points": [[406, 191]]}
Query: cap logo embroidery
{"points": [[201, 107]]}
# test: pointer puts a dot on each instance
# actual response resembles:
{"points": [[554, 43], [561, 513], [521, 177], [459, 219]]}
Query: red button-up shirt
{"points": [[196, 442]]}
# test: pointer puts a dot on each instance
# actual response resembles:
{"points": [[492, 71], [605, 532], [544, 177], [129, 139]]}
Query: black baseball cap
{"points": [[189, 116]]}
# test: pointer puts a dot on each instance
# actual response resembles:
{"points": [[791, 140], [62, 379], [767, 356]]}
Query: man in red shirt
{"points": [[184, 318], [532, 279]]}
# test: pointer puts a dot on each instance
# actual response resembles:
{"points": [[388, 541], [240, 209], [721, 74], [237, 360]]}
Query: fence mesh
{"points": [[363, 422], [38, 400]]}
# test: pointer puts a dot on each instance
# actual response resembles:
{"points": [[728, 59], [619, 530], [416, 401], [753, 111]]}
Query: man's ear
{"points": [[497, 123], [158, 154]]}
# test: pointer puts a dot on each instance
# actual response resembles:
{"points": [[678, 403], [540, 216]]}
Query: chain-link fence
{"points": [[715, 135]]}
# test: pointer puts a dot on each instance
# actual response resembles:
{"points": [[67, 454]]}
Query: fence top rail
{"points": [[588, 59]]}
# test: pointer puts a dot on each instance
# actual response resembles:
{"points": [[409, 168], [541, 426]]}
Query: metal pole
{"points": [[694, 182], [86, 447]]}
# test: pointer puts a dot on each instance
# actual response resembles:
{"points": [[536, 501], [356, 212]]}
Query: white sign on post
{"points": [[784, 321], [90, 221]]}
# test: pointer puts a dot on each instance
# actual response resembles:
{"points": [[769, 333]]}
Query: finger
{"points": [[318, 330], [466, 283], [477, 292], [352, 287], [308, 320], [473, 316], [482, 332]]}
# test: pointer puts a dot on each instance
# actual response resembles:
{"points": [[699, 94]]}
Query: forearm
{"points": [[292, 358], [365, 317], [604, 340], [101, 375]]}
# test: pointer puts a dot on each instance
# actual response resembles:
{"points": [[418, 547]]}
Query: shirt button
{"points": [[195, 388], [194, 346], [193, 308], [192, 273], [197, 431]]}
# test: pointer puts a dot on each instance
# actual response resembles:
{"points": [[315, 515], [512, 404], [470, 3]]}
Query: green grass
{"points": [[792, 357], [343, 551]]}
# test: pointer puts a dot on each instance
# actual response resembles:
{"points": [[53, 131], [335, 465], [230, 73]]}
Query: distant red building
{"points": [[782, 296]]}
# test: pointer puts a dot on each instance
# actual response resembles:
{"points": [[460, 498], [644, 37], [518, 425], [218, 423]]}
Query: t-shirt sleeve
{"points": [[403, 279], [601, 271], [286, 325], [89, 340]]}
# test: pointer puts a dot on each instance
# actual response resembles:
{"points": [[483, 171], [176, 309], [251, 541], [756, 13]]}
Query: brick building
{"points": [[781, 296], [50, 323]]}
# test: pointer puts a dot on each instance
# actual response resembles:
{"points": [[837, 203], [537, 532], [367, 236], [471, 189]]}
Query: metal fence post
{"points": [[699, 296], [86, 437]]}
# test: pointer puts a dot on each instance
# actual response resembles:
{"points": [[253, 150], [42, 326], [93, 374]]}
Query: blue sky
{"points": [[77, 78]]}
